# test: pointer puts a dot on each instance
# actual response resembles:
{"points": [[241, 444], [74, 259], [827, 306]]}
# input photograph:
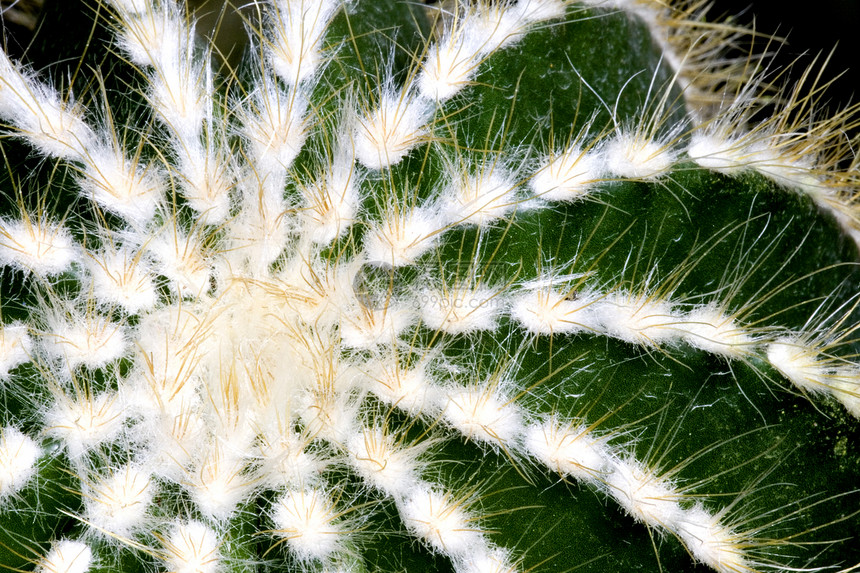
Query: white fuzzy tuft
{"points": [[307, 520], [717, 153], [36, 246], [708, 329], [450, 66], [15, 347], [441, 522], [568, 176], [480, 199], [117, 503], [277, 131], [487, 559], [182, 261], [118, 185], [540, 10], [333, 200], [219, 482], [67, 556], [389, 467], [484, 415], [299, 26], [191, 547], [86, 422], [635, 319], [206, 183], [18, 456], [545, 311], [460, 309], [571, 450], [647, 497], [627, 155], [152, 37], [388, 133], [798, 362], [712, 543], [88, 340], [285, 460], [410, 390], [367, 327], [403, 236], [121, 279], [845, 386]]}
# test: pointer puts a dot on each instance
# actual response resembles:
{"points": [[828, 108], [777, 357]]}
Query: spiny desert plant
{"points": [[513, 286]]}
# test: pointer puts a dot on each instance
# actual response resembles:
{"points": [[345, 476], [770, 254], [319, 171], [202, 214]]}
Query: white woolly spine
{"points": [[191, 547], [18, 456], [15, 347], [66, 556]]}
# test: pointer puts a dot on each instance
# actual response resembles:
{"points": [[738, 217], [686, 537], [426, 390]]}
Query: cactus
{"points": [[543, 285]]}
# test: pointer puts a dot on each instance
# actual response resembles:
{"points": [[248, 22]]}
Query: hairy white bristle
{"points": [[716, 152], [89, 340], [277, 131], [121, 186], [118, 502], [637, 320], [18, 456], [540, 10], [286, 461], [459, 309], [365, 327], [440, 521], [799, 362], [298, 28], [386, 134], [483, 414], [546, 311], [568, 176], [182, 261], [409, 389], [333, 200], [15, 347], [219, 482], [708, 329], [480, 199], [628, 155], [711, 542], [382, 463], [845, 387], [487, 559], [121, 278], [178, 90], [152, 37], [205, 183], [66, 556], [86, 421], [132, 6], [450, 65], [191, 547], [569, 449], [36, 246], [307, 519], [403, 236], [647, 497]]}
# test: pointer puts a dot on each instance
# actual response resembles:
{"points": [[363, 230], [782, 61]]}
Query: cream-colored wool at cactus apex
{"points": [[484, 287]]}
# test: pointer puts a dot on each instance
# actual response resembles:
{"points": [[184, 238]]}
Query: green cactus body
{"points": [[498, 287]]}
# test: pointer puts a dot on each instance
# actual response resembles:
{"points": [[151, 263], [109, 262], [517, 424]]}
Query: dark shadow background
{"points": [[810, 28]]}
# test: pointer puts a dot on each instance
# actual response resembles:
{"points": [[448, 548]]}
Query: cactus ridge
{"points": [[404, 292]]}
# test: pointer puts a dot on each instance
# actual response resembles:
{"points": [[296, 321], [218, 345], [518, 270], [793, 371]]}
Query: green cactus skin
{"points": [[525, 286]]}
